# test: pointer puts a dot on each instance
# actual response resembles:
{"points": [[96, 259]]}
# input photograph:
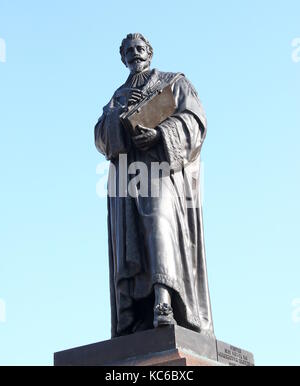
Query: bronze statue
{"points": [[156, 245]]}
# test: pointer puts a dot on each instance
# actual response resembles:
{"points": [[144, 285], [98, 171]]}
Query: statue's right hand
{"points": [[135, 96]]}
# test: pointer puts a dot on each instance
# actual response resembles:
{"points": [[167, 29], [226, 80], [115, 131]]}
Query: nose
{"points": [[136, 51]]}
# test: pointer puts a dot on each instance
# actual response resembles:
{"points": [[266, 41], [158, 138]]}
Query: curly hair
{"points": [[132, 37]]}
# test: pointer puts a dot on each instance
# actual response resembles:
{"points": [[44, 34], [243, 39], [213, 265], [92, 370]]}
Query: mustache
{"points": [[137, 57]]}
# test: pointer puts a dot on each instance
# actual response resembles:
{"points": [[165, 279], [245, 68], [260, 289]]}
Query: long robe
{"points": [[157, 240]]}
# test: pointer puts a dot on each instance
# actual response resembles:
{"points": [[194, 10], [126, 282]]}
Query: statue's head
{"points": [[136, 52]]}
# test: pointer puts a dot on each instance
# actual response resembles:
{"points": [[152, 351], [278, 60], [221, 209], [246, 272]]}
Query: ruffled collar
{"points": [[139, 79]]}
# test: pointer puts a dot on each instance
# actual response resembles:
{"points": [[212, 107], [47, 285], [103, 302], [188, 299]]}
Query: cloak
{"points": [[156, 238]]}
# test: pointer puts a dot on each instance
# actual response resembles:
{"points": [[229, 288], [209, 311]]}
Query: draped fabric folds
{"points": [[159, 238]]}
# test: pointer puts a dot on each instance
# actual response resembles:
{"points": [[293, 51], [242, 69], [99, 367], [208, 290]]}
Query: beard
{"points": [[139, 66]]}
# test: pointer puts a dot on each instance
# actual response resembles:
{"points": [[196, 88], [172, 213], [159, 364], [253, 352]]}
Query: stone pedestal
{"points": [[164, 346]]}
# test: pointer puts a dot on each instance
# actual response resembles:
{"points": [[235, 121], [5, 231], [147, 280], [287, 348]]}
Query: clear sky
{"points": [[59, 64]]}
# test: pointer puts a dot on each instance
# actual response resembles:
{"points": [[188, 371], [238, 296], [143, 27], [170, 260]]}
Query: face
{"points": [[136, 56]]}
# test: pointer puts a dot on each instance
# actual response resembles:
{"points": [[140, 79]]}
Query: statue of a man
{"points": [[156, 245]]}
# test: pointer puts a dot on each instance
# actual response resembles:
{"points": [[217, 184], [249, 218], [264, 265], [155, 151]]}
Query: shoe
{"points": [[163, 315]]}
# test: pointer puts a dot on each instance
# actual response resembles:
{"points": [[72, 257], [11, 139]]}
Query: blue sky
{"points": [[61, 66]]}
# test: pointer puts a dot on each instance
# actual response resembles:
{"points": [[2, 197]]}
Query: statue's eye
{"points": [[141, 49]]}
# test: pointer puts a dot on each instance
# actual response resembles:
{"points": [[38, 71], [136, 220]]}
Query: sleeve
{"points": [[110, 136], [183, 133]]}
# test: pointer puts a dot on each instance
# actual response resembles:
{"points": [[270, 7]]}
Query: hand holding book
{"points": [[135, 96], [146, 137]]}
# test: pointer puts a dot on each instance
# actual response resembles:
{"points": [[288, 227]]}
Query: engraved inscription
{"points": [[233, 356]]}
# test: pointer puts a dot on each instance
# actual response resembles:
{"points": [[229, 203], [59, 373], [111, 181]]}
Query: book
{"points": [[151, 111]]}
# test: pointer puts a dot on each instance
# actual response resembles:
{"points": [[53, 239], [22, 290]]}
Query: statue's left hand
{"points": [[146, 137]]}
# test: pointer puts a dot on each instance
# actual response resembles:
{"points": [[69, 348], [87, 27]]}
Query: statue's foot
{"points": [[163, 315]]}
